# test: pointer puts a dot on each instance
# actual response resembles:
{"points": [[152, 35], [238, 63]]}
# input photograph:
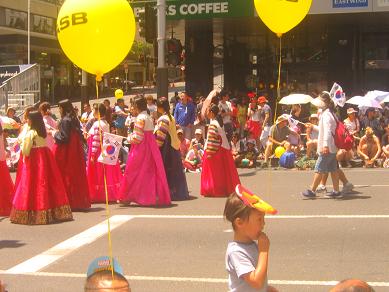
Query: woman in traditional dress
{"points": [[40, 197], [219, 176], [169, 145], [6, 186], [69, 155], [96, 170], [50, 123], [144, 180]]}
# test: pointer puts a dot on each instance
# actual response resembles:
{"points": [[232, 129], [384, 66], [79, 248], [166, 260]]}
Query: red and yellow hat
{"points": [[253, 201]]}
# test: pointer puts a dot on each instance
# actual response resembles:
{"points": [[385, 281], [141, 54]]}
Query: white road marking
{"points": [[64, 248], [194, 280], [267, 217]]}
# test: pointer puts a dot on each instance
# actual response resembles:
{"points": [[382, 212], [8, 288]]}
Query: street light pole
{"points": [[162, 72], [28, 31]]}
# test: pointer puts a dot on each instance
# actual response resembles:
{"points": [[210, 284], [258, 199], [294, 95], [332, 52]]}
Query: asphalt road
{"points": [[314, 243]]}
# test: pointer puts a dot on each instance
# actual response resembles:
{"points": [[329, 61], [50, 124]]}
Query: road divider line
{"points": [[64, 248], [268, 217], [194, 280]]}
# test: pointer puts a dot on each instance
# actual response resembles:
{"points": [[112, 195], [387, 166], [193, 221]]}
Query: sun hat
{"points": [[253, 201], [199, 131], [351, 110], [282, 118], [262, 99]]}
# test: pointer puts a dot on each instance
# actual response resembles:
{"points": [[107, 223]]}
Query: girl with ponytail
{"points": [[169, 145], [219, 176]]}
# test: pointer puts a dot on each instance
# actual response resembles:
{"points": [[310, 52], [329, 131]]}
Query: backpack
{"points": [[342, 138], [287, 160]]}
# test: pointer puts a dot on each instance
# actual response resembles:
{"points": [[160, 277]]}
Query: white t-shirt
{"points": [[226, 107]]}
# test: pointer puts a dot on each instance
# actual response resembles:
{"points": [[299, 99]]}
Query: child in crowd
{"points": [[194, 158], [249, 157], [237, 147], [198, 139], [184, 143], [247, 260], [253, 125]]}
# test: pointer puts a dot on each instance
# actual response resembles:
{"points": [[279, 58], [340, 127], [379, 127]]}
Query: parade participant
{"points": [[247, 260], [369, 147], [219, 175], [168, 143], [7, 186], [69, 154], [40, 197], [50, 123], [144, 180], [266, 119], [326, 147], [97, 170]]}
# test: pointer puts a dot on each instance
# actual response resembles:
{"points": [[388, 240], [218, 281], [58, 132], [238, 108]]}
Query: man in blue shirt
{"points": [[185, 114]]}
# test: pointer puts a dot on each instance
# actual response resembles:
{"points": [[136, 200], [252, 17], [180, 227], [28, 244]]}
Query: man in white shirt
{"points": [[226, 112], [326, 163]]}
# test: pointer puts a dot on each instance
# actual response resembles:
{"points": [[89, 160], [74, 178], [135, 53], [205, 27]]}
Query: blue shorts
{"points": [[326, 163]]}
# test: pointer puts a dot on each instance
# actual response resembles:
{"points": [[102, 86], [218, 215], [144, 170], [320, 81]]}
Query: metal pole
{"points": [[28, 31], [162, 72]]}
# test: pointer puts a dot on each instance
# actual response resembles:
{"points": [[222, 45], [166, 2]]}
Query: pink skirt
{"points": [[6, 190], [144, 180], [40, 196], [95, 174], [219, 176]]}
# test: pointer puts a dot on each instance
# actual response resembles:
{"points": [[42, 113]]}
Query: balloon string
{"points": [[105, 186], [269, 174]]}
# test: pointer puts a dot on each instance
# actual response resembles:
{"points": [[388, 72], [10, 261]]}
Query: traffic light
{"points": [[151, 23], [174, 51]]}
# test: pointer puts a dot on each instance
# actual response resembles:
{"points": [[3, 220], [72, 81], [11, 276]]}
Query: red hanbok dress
{"points": [[95, 169], [40, 196], [6, 184], [219, 176], [70, 157]]}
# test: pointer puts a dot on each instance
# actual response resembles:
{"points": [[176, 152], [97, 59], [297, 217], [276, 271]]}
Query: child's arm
{"points": [[257, 278]]}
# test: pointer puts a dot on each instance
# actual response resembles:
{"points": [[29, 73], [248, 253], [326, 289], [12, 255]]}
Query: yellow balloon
{"points": [[119, 93], [282, 15], [279, 151], [96, 35]]}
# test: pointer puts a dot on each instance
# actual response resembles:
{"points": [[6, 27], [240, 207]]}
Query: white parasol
{"points": [[296, 99]]}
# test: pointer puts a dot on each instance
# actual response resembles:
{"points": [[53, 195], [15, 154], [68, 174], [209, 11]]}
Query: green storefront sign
{"points": [[197, 9]]}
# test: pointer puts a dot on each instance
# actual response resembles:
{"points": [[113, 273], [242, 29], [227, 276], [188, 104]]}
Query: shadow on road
{"points": [[11, 244]]}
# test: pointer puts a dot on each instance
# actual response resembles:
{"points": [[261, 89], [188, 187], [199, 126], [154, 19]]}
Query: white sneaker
{"points": [[347, 188], [321, 189]]}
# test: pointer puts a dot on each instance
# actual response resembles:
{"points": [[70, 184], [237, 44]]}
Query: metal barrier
{"points": [[21, 90]]}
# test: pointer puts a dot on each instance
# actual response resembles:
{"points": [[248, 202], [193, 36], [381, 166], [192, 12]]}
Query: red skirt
{"points": [[254, 128], [6, 190], [40, 197], [219, 176], [71, 162]]}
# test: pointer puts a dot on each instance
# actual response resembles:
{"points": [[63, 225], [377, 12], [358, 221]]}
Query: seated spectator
{"points": [[194, 159], [369, 148], [352, 285], [352, 123], [312, 135], [248, 159], [237, 147], [198, 139], [279, 134], [104, 282], [385, 146], [371, 120], [184, 143]]}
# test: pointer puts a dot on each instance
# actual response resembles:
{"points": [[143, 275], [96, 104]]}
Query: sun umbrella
{"points": [[377, 95], [369, 103], [296, 99], [356, 100], [207, 101]]}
